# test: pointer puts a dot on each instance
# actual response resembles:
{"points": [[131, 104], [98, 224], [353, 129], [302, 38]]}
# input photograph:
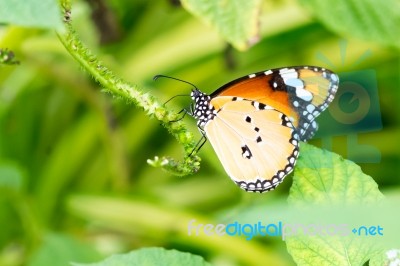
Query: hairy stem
{"points": [[133, 94]]}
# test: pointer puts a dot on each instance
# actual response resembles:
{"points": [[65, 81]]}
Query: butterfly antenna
{"points": [[173, 97], [184, 81]]}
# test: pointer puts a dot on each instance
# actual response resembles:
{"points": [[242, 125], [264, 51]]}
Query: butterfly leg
{"points": [[184, 111], [199, 144]]}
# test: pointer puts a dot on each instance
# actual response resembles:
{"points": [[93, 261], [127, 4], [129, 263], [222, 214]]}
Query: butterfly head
{"points": [[201, 108]]}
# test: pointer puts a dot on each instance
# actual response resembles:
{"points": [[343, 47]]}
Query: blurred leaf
{"points": [[325, 178], [11, 176], [153, 220], [367, 19], [31, 13], [60, 250], [237, 21], [66, 160], [151, 257], [9, 221]]}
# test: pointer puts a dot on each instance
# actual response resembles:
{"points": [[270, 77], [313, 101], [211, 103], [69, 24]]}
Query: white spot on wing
{"points": [[287, 73], [252, 75], [294, 82], [304, 94], [268, 72], [310, 108]]}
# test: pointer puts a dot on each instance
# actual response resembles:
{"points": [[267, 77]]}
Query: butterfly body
{"points": [[255, 123]]}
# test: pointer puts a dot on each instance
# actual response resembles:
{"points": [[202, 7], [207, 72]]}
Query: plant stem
{"points": [[133, 94]]}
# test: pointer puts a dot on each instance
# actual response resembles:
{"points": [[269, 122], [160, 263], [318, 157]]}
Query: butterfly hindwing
{"points": [[257, 145]]}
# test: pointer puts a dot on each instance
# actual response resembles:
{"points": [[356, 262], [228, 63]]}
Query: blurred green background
{"points": [[73, 174]]}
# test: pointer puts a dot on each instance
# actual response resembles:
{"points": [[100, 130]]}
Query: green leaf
{"points": [[367, 19], [11, 176], [325, 178], [31, 13], [60, 250], [322, 177], [236, 20], [332, 250], [151, 257]]}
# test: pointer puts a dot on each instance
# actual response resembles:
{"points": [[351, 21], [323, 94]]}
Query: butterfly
{"points": [[255, 123]]}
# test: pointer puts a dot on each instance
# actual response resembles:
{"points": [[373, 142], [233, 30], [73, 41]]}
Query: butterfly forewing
{"points": [[250, 139], [301, 93]]}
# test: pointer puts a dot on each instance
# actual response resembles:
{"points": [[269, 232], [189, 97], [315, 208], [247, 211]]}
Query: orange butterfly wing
{"points": [[301, 93], [258, 89]]}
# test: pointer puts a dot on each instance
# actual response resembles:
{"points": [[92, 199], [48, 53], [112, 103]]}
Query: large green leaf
{"points": [[31, 13], [236, 20], [367, 19], [151, 257], [324, 178]]}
